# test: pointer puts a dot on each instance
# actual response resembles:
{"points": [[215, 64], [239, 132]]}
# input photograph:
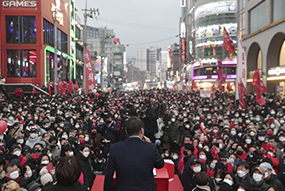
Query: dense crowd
{"points": [[232, 147]]}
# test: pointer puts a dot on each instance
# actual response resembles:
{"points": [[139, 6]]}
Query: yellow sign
{"points": [[59, 15]]}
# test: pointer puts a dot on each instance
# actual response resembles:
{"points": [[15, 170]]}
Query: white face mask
{"points": [[197, 169], [187, 126], [233, 133], [272, 126], [173, 119], [20, 141], [61, 125], [14, 175], [220, 146], [229, 182], [266, 175], [212, 165], [17, 153], [240, 189], [85, 154], [203, 157], [281, 139], [261, 138], [86, 139], [64, 136], [70, 153], [218, 179], [252, 134], [45, 162], [34, 135], [50, 155], [166, 154], [241, 173], [175, 157], [215, 131], [77, 126], [30, 173], [248, 141], [257, 177]]}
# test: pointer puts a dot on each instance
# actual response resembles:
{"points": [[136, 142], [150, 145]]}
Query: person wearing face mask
{"points": [[109, 129], [191, 169], [27, 172], [215, 131], [281, 143], [242, 170], [269, 177], [230, 179], [83, 156], [257, 180], [174, 134], [12, 173], [202, 181], [99, 164], [15, 153], [34, 137], [175, 159]]}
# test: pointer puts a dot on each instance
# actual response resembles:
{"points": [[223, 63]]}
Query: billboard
{"points": [[215, 31], [216, 8]]}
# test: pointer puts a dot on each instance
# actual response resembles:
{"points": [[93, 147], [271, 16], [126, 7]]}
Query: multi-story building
{"points": [[162, 67], [207, 20], [153, 59], [142, 59], [27, 41], [263, 33]]}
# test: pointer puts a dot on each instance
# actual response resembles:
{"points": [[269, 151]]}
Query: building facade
{"points": [[263, 33], [142, 59], [27, 41]]}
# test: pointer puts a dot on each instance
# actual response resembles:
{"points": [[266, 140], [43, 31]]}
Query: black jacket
{"points": [[133, 160], [58, 187], [88, 175], [273, 180], [150, 124]]}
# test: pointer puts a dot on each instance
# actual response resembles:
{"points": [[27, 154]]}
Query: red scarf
{"points": [[16, 180]]}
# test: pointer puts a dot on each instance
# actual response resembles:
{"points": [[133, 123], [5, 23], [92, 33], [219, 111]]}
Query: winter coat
{"points": [[149, 121], [58, 187], [87, 171], [174, 131], [273, 180], [109, 132], [262, 186]]}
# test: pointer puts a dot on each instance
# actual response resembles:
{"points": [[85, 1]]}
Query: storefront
{"points": [[204, 72], [27, 40]]}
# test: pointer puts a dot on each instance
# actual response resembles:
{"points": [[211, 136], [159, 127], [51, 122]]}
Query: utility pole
{"points": [[102, 60], [55, 52], [88, 13]]}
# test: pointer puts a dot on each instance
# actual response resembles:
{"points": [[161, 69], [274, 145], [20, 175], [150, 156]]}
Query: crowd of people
{"points": [[214, 143]]}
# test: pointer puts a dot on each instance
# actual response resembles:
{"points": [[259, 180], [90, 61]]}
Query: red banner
{"points": [[194, 86], [259, 87], [257, 83], [90, 82], [229, 45], [76, 86], [59, 86], [70, 87]]}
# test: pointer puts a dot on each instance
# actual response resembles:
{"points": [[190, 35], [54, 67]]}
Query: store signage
{"points": [[215, 8], [19, 3], [206, 63], [216, 31], [56, 9], [183, 30], [183, 50], [182, 3], [280, 89], [276, 71]]}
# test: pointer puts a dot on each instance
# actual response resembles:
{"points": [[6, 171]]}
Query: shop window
{"points": [[21, 29], [21, 63]]}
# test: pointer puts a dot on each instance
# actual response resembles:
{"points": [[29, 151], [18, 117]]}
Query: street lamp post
{"points": [[55, 52]]}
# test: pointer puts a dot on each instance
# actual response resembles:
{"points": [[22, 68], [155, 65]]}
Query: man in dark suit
{"points": [[133, 160]]}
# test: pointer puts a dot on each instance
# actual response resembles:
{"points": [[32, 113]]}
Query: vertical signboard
{"points": [[90, 81], [183, 50]]}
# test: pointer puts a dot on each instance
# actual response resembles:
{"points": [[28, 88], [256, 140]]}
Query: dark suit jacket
{"points": [[133, 160]]}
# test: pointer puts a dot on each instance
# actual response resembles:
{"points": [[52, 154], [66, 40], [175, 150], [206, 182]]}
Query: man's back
{"points": [[133, 160]]}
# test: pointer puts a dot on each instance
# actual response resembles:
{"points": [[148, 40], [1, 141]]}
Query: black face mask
{"points": [[239, 153], [185, 153]]}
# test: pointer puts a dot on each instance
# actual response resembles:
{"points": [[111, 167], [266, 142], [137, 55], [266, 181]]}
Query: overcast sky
{"points": [[136, 22]]}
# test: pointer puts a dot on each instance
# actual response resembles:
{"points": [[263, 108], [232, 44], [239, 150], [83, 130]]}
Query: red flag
{"points": [[76, 85], [194, 86], [229, 87], [257, 83], [70, 87], [64, 85], [34, 90], [259, 87], [242, 103], [221, 76], [59, 86], [228, 42]]}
